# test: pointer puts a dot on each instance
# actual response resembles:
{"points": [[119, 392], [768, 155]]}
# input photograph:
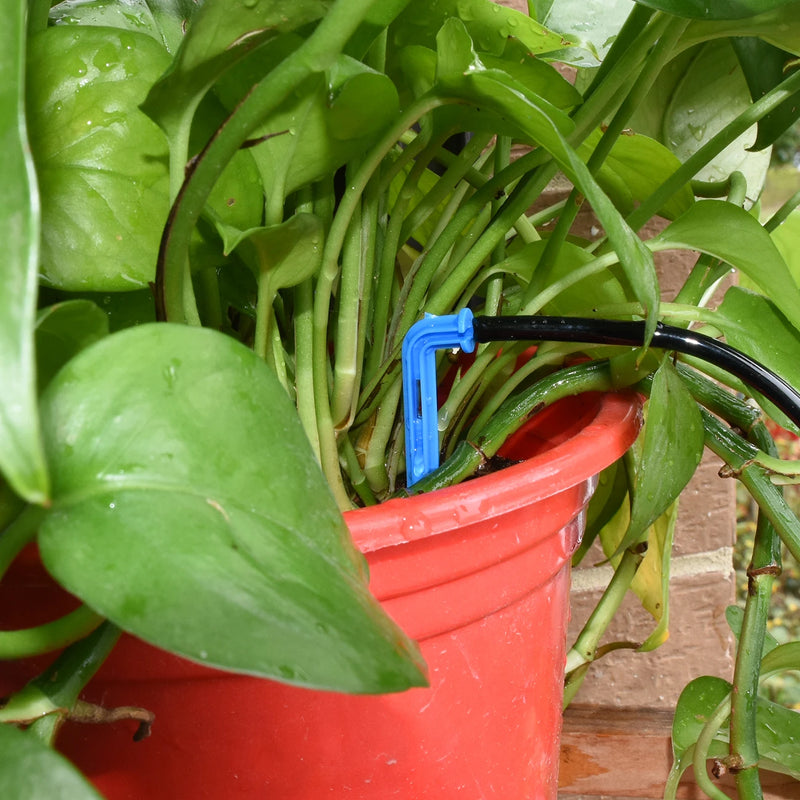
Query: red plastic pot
{"points": [[478, 573]]}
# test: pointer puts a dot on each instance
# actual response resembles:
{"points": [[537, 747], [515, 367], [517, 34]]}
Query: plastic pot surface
{"points": [[478, 573]]}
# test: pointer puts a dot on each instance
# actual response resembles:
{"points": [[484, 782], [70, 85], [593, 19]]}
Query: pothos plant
{"points": [[221, 219]]}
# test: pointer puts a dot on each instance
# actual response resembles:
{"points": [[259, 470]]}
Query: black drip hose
{"points": [[666, 337]]}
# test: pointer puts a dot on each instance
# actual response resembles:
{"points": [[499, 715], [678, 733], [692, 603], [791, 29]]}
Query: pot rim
{"points": [[605, 438]]}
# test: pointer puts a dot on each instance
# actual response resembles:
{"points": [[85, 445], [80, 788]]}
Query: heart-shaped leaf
{"points": [[696, 704], [489, 24], [732, 235], [764, 67], [778, 23], [31, 770], [673, 446], [62, 331], [332, 119], [102, 164], [752, 324], [777, 728], [592, 25], [220, 36], [21, 455], [720, 9], [696, 94], [711, 93], [636, 166], [164, 20], [290, 252], [200, 521]]}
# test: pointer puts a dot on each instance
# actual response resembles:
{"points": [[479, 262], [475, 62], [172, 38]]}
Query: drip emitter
{"points": [[464, 330]]}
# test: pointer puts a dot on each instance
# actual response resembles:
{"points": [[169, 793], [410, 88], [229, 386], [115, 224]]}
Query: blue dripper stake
{"points": [[419, 385]]}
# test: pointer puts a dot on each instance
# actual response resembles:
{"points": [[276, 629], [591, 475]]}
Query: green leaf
{"points": [[777, 732], [764, 67], [536, 75], [164, 20], [718, 10], [238, 196], [636, 166], [592, 25], [62, 331], [220, 36], [578, 299], [21, 456], [781, 657], [673, 446], [290, 252], [102, 165], [200, 520], [123, 309], [32, 771], [375, 21], [419, 65], [489, 24], [732, 235], [362, 104], [711, 92], [751, 323], [787, 239], [651, 582], [608, 498], [777, 728], [697, 703], [779, 26], [330, 120]]}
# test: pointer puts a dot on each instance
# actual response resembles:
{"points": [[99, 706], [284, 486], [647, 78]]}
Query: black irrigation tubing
{"points": [[631, 333]]}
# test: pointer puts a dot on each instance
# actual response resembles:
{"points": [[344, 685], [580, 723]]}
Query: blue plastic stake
{"points": [[419, 385]]}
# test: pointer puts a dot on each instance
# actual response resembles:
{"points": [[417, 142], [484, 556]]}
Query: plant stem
{"points": [[540, 300], [351, 291], [780, 216], [655, 61], [38, 16], [719, 401], [390, 244], [303, 347], [374, 462], [547, 354], [629, 38], [739, 455], [329, 452], [377, 384], [18, 534], [520, 199], [314, 55], [264, 313], [66, 677], [470, 455], [702, 746], [494, 288], [707, 269], [356, 474], [765, 566], [55, 635], [585, 648], [458, 166]]}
